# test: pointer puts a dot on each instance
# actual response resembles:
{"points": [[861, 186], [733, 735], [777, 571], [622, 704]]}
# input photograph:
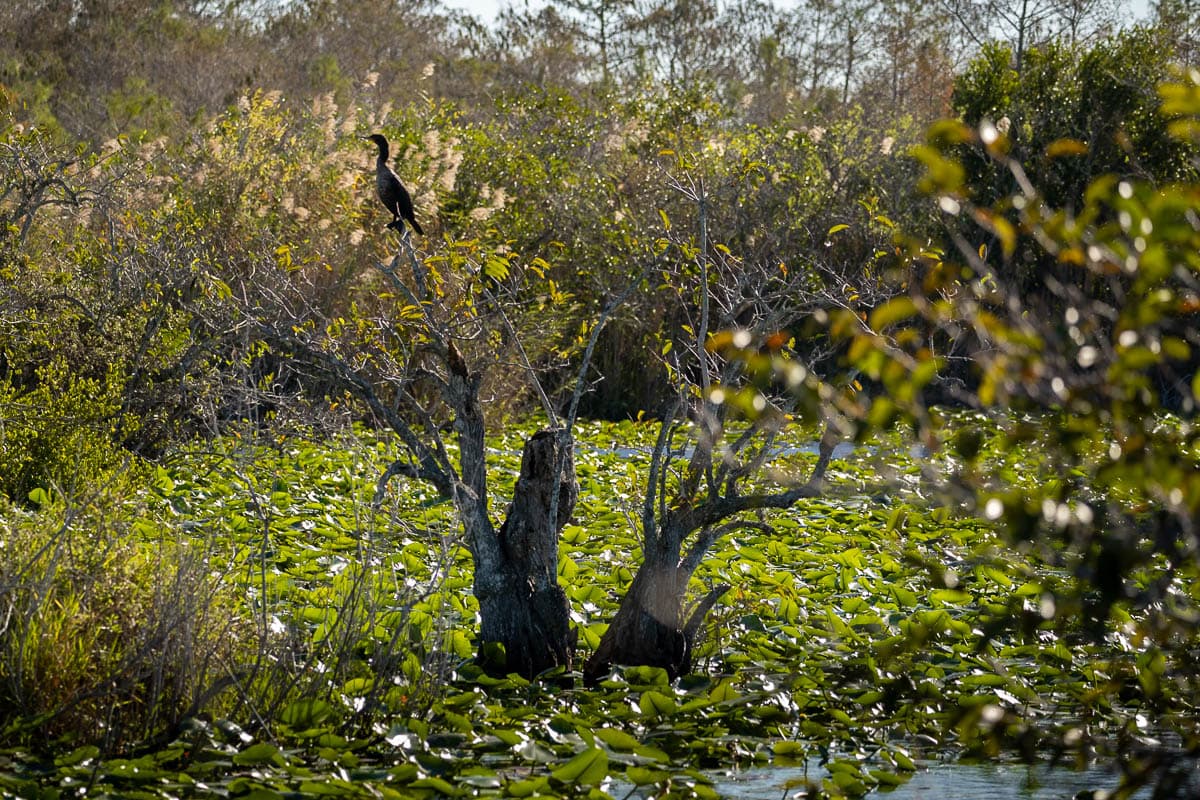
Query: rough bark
{"points": [[522, 607], [648, 628], [652, 627]]}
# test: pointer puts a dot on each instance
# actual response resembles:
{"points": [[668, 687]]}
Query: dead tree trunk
{"points": [[413, 391], [521, 605]]}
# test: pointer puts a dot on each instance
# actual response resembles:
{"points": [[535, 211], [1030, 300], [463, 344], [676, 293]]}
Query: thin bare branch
{"points": [[709, 536], [654, 489]]}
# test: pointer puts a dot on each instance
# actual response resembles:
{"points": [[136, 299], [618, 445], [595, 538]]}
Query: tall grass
{"points": [[146, 606], [108, 636]]}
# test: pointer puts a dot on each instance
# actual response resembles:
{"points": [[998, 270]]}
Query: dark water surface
{"points": [[937, 781]]}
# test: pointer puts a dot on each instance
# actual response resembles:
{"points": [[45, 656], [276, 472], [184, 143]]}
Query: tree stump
{"points": [[522, 607]]}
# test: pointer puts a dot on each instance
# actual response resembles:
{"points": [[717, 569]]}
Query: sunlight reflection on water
{"points": [[937, 781]]}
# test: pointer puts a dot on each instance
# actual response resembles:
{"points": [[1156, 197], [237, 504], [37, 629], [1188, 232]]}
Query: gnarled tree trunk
{"points": [[652, 627], [521, 605]]}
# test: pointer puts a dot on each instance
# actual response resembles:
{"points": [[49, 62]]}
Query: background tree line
{"points": [[549, 133], [119, 66]]}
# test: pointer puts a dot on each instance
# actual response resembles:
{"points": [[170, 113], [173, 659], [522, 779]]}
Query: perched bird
{"points": [[392, 194]]}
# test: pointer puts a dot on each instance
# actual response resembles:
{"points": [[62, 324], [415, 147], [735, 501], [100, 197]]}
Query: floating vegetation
{"points": [[865, 630]]}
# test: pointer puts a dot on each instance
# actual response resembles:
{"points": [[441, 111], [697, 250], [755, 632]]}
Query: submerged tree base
{"points": [[532, 626], [521, 605], [650, 628]]}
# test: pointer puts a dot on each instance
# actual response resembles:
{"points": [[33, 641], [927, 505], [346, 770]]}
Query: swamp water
{"points": [[937, 780], [933, 780]]}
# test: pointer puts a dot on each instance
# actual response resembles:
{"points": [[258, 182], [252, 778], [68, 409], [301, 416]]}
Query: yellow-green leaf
{"points": [[656, 704], [589, 767], [893, 311], [1066, 147], [617, 740]]}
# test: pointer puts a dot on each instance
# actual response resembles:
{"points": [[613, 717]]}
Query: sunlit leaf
{"points": [[588, 768]]}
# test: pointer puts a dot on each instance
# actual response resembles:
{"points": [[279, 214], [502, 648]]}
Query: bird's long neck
{"points": [[383, 153]]}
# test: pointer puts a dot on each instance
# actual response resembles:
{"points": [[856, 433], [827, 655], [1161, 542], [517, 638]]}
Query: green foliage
{"points": [[1071, 116], [853, 629], [1084, 396], [59, 434], [215, 281], [110, 636], [138, 112], [133, 610], [129, 267], [551, 203], [987, 87], [1103, 96]]}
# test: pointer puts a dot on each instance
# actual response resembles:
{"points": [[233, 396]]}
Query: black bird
{"points": [[391, 191]]}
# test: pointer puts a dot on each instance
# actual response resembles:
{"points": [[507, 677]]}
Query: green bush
{"points": [[61, 432], [111, 635], [1105, 392], [1070, 116]]}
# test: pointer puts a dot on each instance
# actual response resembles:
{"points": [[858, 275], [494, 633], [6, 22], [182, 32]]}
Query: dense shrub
{"points": [[1071, 115], [110, 636], [61, 432]]}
